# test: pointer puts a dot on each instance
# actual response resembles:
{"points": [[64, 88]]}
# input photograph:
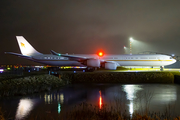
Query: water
{"points": [[135, 97]]}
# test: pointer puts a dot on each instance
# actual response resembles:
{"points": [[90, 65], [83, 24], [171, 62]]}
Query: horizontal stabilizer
{"points": [[19, 55]]}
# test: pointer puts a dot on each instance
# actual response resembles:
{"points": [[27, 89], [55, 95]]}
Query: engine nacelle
{"points": [[93, 63], [110, 66]]}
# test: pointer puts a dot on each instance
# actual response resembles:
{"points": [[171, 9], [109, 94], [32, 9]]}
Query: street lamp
{"points": [[131, 40], [125, 48]]}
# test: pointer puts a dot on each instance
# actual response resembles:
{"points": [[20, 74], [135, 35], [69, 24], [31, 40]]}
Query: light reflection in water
{"points": [[61, 98], [54, 97], [100, 100], [131, 107], [131, 91], [165, 95], [59, 108], [24, 108]]}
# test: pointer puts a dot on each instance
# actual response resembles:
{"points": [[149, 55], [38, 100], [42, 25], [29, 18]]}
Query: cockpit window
{"points": [[171, 58]]}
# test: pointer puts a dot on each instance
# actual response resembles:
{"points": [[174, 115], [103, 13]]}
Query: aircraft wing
{"points": [[19, 55], [71, 57]]}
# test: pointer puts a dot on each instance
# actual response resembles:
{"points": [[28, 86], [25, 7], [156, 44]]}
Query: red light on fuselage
{"points": [[100, 54]]}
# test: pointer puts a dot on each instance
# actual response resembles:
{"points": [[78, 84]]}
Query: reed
{"points": [[86, 111]]}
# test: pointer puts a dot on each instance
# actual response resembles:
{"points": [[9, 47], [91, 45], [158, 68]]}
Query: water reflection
{"points": [[124, 97], [59, 97], [24, 108], [131, 110], [100, 100], [165, 94], [131, 91], [59, 108]]}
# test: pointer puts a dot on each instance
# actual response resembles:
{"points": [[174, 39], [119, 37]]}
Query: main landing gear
{"points": [[90, 69], [161, 68]]}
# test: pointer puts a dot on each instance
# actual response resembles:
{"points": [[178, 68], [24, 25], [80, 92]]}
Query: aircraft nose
{"points": [[174, 60]]}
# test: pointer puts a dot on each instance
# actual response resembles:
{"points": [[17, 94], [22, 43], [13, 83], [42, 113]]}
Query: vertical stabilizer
{"points": [[25, 47]]}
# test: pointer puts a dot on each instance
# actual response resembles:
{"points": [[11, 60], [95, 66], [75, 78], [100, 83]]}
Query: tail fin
{"points": [[25, 47]]}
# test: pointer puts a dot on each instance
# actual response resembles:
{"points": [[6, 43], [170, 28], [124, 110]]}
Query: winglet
{"points": [[55, 53]]}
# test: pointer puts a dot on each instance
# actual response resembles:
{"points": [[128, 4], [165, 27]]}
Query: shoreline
{"points": [[24, 85]]}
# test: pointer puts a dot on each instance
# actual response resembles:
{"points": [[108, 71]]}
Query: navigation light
{"points": [[100, 54]]}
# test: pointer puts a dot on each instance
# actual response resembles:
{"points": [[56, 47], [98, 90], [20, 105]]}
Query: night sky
{"points": [[86, 26]]}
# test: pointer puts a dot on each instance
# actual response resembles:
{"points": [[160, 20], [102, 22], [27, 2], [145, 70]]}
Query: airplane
{"points": [[91, 61]]}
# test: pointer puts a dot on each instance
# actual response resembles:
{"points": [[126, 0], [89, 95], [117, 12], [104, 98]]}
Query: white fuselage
{"points": [[141, 60], [121, 60], [54, 60]]}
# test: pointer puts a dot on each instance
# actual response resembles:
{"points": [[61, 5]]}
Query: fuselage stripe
{"points": [[138, 60]]}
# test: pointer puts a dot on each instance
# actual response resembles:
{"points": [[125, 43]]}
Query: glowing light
{"points": [[131, 108], [124, 47], [8, 68], [47, 99], [100, 54], [59, 107], [24, 108], [131, 39], [100, 100], [59, 54], [1, 70], [61, 98], [131, 91]]}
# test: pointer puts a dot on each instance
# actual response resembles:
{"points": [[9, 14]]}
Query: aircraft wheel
{"points": [[161, 68], [89, 69]]}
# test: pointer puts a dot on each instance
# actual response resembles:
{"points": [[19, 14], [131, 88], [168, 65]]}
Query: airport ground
{"points": [[142, 70]]}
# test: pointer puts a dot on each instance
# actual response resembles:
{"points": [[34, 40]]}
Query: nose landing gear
{"points": [[161, 68]]}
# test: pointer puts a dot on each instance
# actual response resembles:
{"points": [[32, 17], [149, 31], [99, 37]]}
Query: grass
{"points": [[86, 111], [29, 85]]}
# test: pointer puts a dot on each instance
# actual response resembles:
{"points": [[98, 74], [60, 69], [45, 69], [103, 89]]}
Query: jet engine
{"points": [[93, 63], [110, 66]]}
